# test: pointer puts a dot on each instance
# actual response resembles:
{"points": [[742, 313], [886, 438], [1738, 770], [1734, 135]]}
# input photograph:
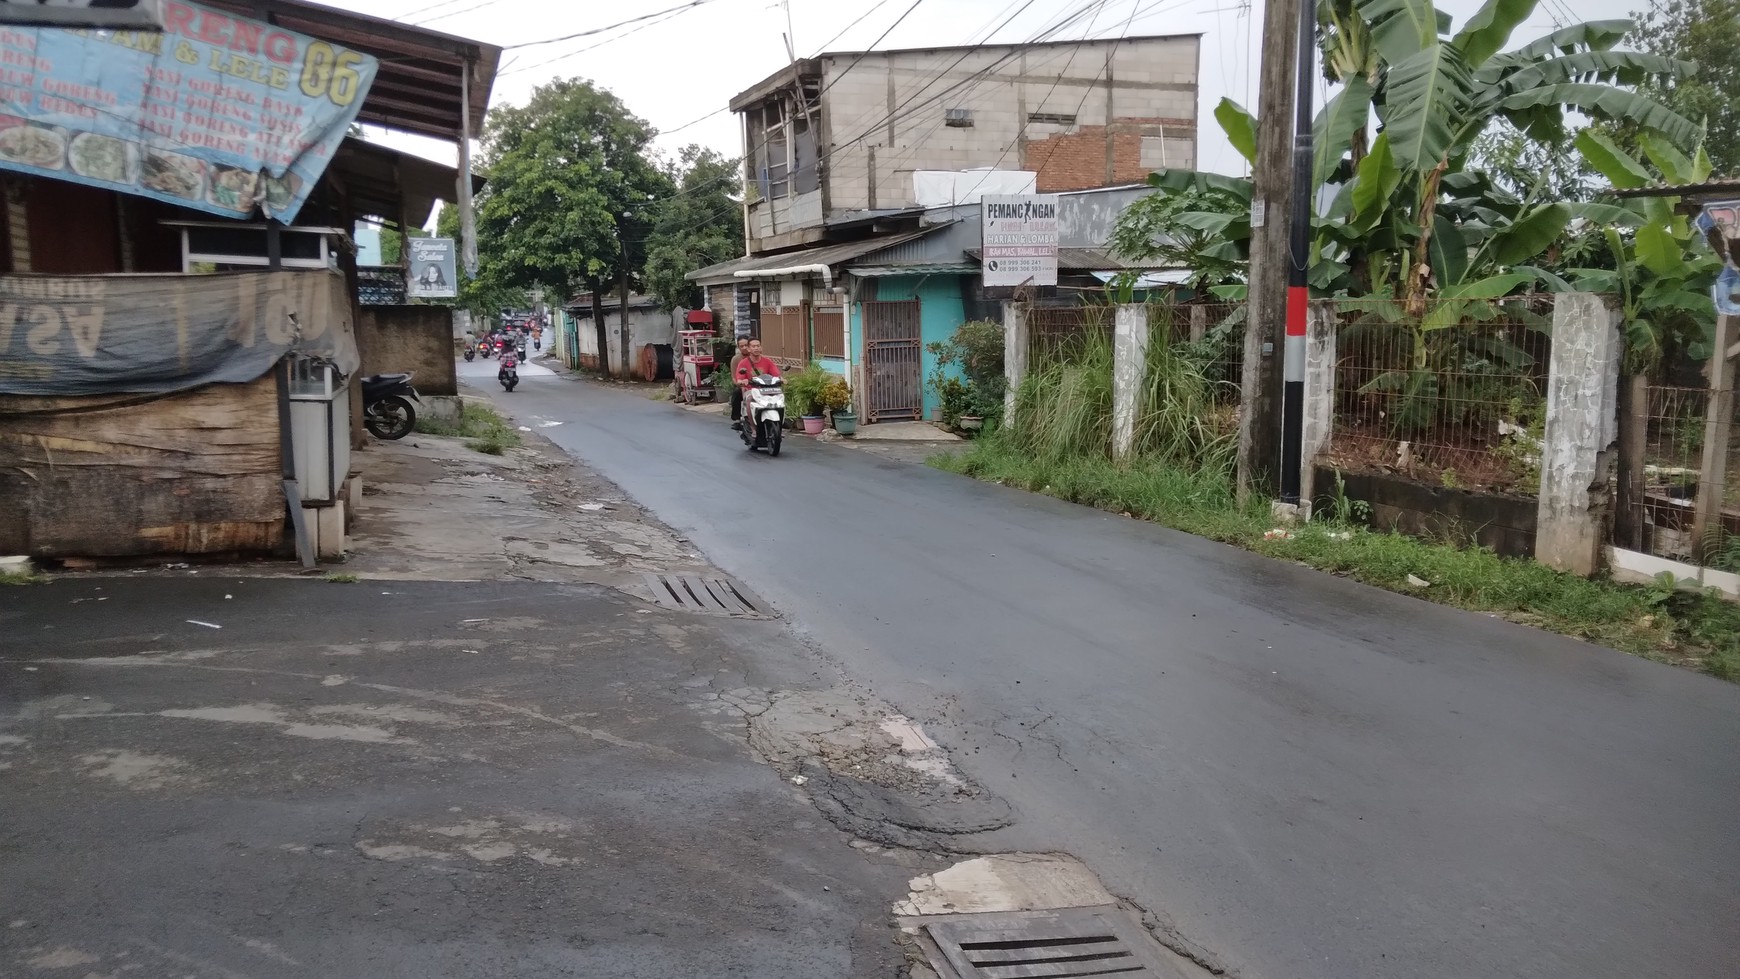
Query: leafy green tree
{"points": [[1408, 218], [700, 225], [565, 207], [1706, 32]]}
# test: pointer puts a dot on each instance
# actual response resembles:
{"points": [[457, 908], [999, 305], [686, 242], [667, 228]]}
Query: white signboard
{"points": [[433, 270], [138, 15], [1020, 239]]}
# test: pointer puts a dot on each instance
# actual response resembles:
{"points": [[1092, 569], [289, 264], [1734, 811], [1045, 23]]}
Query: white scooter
{"points": [[764, 414]]}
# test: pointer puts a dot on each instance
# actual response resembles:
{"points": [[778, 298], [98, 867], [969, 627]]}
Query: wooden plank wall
{"points": [[129, 475]]}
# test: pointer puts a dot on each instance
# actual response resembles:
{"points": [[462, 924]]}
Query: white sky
{"points": [[677, 70]]}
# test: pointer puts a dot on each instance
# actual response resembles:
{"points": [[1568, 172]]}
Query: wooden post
{"points": [[1718, 422], [1198, 322], [1633, 437]]}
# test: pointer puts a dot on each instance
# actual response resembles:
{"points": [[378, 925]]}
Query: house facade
{"points": [[838, 139], [864, 173]]}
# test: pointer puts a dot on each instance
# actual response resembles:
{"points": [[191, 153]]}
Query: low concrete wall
{"points": [[1504, 523], [419, 339]]}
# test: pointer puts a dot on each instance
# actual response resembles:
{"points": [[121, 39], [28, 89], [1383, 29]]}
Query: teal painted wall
{"points": [[939, 314]]}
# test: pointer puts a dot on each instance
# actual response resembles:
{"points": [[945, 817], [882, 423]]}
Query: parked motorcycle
{"points": [[387, 411], [509, 374], [764, 414]]}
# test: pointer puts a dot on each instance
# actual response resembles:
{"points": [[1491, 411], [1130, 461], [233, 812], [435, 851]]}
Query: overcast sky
{"points": [[674, 71]]}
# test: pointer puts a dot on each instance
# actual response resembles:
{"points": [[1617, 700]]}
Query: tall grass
{"points": [[1063, 408]]}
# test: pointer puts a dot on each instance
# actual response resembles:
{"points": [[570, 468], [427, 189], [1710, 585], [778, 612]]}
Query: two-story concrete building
{"points": [[855, 161]]}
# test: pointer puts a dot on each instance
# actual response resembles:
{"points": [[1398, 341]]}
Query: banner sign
{"points": [[135, 14], [1019, 235], [152, 334], [433, 270], [217, 112]]}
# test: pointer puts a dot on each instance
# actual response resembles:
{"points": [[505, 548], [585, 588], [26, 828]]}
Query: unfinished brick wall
{"points": [[1077, 160]]}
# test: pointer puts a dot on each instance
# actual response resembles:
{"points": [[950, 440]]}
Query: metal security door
{"points": [[891, 360]]}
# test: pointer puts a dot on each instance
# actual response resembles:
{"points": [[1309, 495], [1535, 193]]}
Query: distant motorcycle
{"points": [[509, 374], [387, 411], [764, 414], [470, 353]]}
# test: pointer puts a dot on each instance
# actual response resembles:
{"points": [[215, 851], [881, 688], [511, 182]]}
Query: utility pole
{"points": [[1260, 386], [622, 241], [1298, 262]]}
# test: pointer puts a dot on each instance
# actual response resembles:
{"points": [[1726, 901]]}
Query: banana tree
{"points": [[1408, 220], [1663, 270]]}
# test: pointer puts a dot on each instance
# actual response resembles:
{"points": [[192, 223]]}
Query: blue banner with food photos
{"points": [[216, 112]]}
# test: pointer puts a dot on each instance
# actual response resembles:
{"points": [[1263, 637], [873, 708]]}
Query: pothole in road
{"points": [[871, 771]]}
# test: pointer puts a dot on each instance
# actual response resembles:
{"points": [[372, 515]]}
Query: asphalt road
{"points": [[1307, 777], [407, 779]]}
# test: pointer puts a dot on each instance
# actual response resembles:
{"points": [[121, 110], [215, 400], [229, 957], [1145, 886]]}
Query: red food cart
{"points": [[695, 374]]}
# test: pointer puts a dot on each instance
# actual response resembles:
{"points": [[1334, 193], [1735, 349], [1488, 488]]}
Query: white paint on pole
{"points": [[1019, 233]]}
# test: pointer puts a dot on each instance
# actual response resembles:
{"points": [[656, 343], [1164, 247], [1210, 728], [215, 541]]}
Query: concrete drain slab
{"points": [[708, 596], [1031, 916], [1069, 942]]}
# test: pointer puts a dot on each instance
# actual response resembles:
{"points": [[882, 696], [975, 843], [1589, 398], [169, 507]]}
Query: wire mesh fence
{"points": [[1673, 450], [1064, 333], [1210, 335], [1454, 395]]}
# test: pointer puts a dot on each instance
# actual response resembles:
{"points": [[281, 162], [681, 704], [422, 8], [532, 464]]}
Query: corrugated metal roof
{"points": [[417, 89], [829, 255], [1709, 188]]}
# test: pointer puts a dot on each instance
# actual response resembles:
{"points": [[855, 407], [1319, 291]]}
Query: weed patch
{"points": [[483, 429]]}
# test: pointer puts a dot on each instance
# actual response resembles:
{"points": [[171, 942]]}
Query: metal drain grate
{"points": [[1048, 945], [712, 596]]}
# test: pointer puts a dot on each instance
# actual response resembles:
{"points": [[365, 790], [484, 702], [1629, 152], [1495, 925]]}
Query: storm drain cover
{"points": [[1047, 945], [712, 596]]}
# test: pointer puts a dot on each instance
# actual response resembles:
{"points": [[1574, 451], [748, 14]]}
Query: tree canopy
{"points": [[700, 225], [1706, 32]]}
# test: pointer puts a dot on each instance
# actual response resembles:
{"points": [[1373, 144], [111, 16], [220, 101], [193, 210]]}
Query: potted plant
{"points": [[803, 395], [836, 397]]}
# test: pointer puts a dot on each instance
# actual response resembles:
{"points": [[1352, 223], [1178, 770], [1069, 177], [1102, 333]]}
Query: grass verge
{"points": [[20, 578], [1659, 622], [483, 429]]}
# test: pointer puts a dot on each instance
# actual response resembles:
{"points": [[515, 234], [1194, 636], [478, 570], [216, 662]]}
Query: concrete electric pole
{"points": [[1260, 421]]}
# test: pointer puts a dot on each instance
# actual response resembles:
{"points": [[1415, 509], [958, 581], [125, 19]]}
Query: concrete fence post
{"points": [[1014, 350], [1582, 427], [1129, 364], [1320, 325]]}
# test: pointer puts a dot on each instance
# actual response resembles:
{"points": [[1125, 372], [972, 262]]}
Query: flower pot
{"points": [[845, 422], [972, 423], [813, 424]]}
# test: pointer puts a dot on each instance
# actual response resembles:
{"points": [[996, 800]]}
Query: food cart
{"points": [[695, 376]]}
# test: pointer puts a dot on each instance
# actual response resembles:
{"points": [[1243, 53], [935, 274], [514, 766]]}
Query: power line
{"points": [[601, 30], [609, 40], [861, 18]]}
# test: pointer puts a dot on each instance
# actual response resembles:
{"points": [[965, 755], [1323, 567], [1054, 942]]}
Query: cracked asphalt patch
{"points": [[437, 510], [494, 778]]}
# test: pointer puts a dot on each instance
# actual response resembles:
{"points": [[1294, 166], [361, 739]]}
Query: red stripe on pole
{"points": [[1297, 297]]}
